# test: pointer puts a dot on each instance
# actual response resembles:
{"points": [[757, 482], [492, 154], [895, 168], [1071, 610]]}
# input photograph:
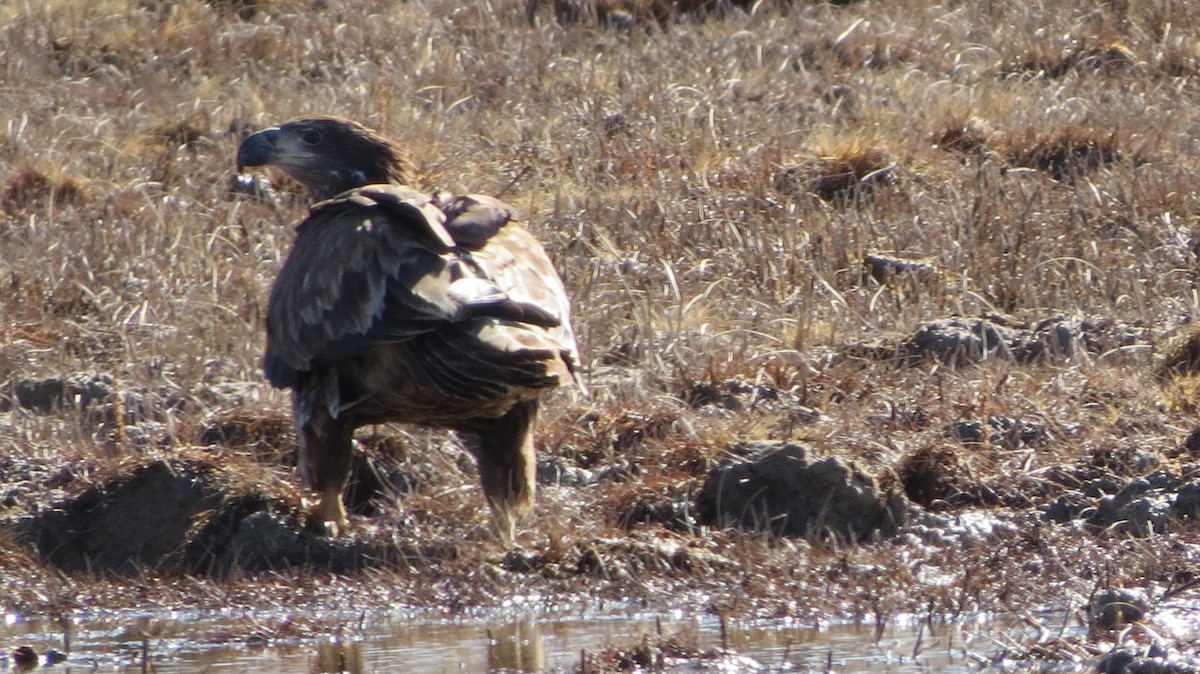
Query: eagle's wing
{"points": [[372, 266], [514, 260]]}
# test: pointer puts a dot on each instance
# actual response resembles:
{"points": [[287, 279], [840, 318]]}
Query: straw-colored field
{"points": [[709, 189]]}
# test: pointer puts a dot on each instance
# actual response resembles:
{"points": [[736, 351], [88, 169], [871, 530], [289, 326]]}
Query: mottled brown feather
{"points": [[394, 305]]}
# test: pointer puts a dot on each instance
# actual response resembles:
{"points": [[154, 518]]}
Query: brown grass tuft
{"points": [[268, 434], [1089, 58], [931, 474], [32, 188], [1182, 357], [1064, 151], [968, 136], [857, 172]]}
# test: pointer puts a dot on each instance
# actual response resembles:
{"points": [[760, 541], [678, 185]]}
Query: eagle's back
{"points": [[380, 312]]}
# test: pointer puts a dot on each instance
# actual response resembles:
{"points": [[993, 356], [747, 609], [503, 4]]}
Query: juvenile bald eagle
{"points": [[399, 306]]}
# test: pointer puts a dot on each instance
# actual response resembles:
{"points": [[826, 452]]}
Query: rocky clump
{"points": [[958, 340], [964, 341], [93, 393], [1141, 505], [889, 269], [1114, 608], [185, 515], [774, 486], [1004, 432], [736, 396], [1124, 662]]}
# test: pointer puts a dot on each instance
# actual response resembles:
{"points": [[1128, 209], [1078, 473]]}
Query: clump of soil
{"points": [[968, 136], [190, 515], [1065, 152], [860, 171], [963, 341], [33, 188], [775, 487]]}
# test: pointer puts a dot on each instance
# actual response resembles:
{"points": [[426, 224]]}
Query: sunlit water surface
{"points": [[520, 642]]}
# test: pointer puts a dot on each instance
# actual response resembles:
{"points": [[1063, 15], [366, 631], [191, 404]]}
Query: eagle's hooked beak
{"points": [[258, 149]]}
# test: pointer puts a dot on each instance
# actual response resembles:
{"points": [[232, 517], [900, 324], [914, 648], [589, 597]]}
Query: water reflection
{"points": [[533, 642], [517, 647], [337, 657]]}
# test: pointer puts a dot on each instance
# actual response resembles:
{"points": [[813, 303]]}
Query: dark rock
{"points": [[964, 341], [1016, 433], [521, 561], [146, 433], [82, 390], [773, 486], [1114, 608], [958, 341], [1137, 516], [179, 516], [1125, 461], [966, 432], [1186, 505], [1000, 431], [1050, 338], [1152, 503], [1124, 662], [24, 658], [247, 536], [554, 471], [620, 472], [1191, 444], [1068, 507], [737, 396], [115, 527], [885, 268], [1142, 507], [1101, 487]]}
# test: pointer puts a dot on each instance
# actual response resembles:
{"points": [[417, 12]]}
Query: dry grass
{"points": [[1041, 157]]}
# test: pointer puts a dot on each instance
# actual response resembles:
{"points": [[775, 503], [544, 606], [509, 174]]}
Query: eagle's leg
{"points": [[503, 450], [326, 456]]}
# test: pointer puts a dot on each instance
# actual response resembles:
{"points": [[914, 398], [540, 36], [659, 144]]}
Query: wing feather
{"points": [[369, 267], [387, 264], [511, 257]]}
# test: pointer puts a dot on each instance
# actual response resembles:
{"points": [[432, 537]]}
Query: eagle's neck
{"points": [[335, 181], [332, 181]]}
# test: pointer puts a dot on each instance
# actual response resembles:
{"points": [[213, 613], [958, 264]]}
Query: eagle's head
{"points": [[327, 155]]}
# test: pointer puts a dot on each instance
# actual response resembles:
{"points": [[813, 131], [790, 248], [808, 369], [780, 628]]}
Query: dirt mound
{"points": [[1155, 503], [774, 486], [185, 515], [964, 341]]}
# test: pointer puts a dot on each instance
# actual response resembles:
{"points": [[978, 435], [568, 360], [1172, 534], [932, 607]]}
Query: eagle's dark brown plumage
{"points": [[395, 305]]}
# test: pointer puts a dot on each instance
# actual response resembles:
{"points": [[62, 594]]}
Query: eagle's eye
{"points": [[312, 137]]}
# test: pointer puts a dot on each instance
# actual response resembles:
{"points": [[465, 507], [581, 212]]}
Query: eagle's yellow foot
{"points": [[328, 515]]}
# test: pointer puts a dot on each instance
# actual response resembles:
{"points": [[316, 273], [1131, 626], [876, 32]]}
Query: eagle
{"points": [[396, 305]]}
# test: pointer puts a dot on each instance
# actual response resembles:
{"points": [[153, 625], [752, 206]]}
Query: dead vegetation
{"points": [[963, 262]]}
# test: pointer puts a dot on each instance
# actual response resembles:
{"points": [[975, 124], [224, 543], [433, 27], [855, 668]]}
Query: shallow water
{"points": [[531, 642]]}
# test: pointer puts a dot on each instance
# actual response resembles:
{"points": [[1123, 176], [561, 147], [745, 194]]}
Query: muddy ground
{"points": [[954, 514], [887, 311]]}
